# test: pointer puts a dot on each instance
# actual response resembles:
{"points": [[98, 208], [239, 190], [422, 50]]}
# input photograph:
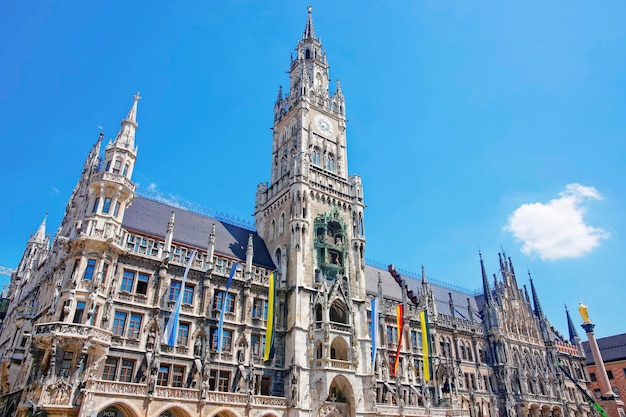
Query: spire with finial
{"points": [[573, 334], [40, 235], [309, 30], [536, 304], [279, 99], [339, 93], [423, 275], [486, 288], [126, 136]]}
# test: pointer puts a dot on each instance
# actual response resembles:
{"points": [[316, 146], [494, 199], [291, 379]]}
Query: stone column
{"points": [[609, 401]]}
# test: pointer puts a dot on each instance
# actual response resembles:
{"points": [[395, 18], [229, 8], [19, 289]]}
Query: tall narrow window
{"points": [[106, 206], [110, 369], [174, 290], [164, 375], [126, 370], [95, 205], [66, 364], [117, 166], [91, 266], [183, 334], [116, 210], [331, 162], [80, 310], [142, 284], [188, 295], [119, 322], [178, 376], [105, 271], [125, 170], [134, 325], [128, 279], [316, 157]]}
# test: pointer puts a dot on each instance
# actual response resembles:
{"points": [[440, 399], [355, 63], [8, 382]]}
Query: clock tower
{"points": [[310, 215]]}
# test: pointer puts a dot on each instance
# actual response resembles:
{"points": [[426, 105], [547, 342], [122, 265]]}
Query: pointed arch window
{"points": [[331, 162], [316, 156], [281, 224], [272, 230]]}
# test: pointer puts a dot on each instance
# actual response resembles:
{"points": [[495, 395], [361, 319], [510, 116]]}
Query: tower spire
{"points": [[573, 334], [309, 30], [40, 235], [126, 136], [486, 287], [538, 310]]}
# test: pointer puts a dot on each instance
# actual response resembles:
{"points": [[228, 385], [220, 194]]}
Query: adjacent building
{"points": [[282, 319]]}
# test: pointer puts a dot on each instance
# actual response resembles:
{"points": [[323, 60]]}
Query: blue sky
{"points": [[474, 125]]}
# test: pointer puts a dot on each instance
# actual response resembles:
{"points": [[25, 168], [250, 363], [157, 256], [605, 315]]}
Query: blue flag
{"points": [[171, 329], [374, 331], [220, 326]]}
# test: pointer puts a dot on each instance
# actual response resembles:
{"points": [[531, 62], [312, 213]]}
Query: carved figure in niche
{"points": [[55, 297], [205, 388], [241, 353], [295, 373], [152, 382], [197, 347], [151, 338]]}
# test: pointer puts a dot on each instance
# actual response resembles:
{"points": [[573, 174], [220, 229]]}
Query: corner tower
{"points": [[310, 215]]}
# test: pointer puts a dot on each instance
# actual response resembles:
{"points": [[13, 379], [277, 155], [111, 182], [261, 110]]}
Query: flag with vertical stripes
{"points": [[268, 351], [170, 335], [426, 345], [400, 319], [374, 331], [220, 325]]}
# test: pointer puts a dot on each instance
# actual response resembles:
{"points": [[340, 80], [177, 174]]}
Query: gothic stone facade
{"points": [[83, 333]]}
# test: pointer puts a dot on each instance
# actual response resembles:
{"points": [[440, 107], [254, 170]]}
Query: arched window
{"points": [[281, 224], [331, 162], [277, 257], [316, 156], [272, 229], [339, 349], [307, 54], [338, 312]]}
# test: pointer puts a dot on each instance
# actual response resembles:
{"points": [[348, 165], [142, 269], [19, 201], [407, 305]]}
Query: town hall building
{"points": [[281, 320]]}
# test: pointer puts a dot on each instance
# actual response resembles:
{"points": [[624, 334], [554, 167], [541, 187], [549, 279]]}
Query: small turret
{"points": [[249, 257]]}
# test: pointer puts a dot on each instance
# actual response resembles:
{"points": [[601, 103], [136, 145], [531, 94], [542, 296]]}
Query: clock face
{"points": [[323, 124]]}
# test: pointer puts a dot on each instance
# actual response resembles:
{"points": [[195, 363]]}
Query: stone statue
{"points": [[584, 312]]}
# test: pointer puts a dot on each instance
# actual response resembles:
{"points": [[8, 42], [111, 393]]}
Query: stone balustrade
{"points": [[76, 330]]}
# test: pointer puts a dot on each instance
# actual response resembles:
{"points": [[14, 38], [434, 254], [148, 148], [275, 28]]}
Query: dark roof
{"points": [[392, 290], [612, 348], [193, 229]]}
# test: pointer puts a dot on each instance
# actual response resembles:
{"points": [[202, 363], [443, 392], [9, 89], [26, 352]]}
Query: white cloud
{"points": [[557, 230]]}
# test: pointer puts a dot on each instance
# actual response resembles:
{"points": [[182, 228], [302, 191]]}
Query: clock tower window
{"points": [[331, 162], [316, 156]]}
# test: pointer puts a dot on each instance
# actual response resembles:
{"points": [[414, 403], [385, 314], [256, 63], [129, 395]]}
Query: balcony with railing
{"points": [[44, 331], [114, 388], [115, 178]]}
